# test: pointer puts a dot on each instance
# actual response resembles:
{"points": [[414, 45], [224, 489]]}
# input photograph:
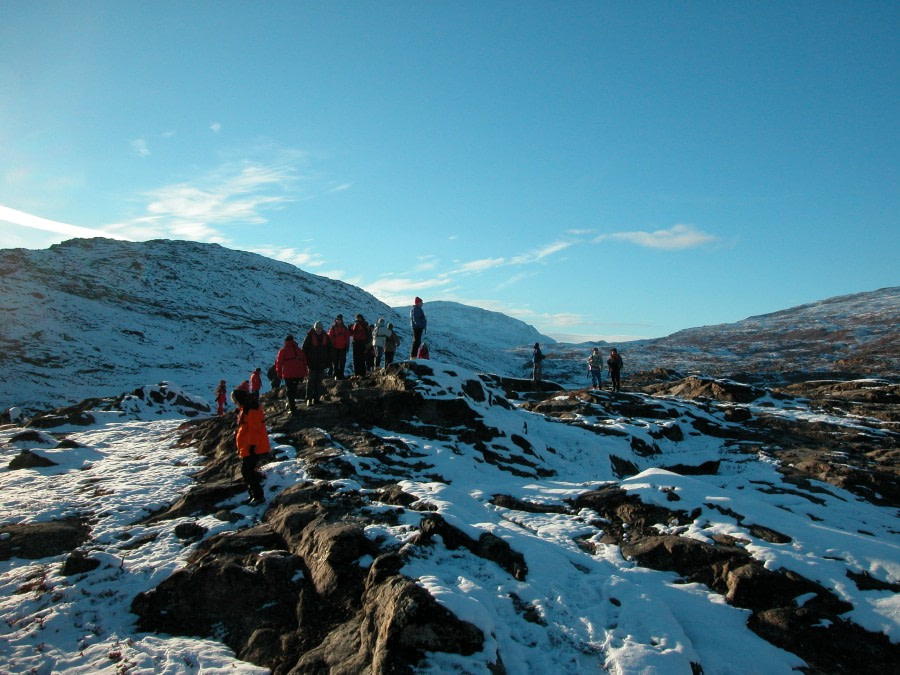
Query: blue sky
{"points": [[596, 169]]}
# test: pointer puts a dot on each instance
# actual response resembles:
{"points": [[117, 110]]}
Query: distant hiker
{"points": [[390, 345], [423, 352], [537, 358], [291, 366], [221, 397], [317, 347], [340, 343], [359, 333], [595, 367], [252, 442], [380, 337], [256, 382], [614, 362], [273, 377], [418, 323]]}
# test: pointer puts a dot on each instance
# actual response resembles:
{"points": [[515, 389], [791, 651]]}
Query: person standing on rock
{"points": [[317, 347], [614, 363], [418, 323], [291, 367], [252, 441], [537, 360], [359, 333], [390, 346], [221, 397], [256, 382], [595, 367], [380, 337], [340, 343]]}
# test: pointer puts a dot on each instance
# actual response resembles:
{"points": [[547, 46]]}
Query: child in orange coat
{"points": [[252, 440]]}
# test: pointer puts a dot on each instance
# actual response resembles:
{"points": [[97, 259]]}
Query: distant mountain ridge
{"points": [[97, 317]]}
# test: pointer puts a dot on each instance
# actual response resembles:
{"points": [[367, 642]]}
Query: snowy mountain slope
{"points": [[93, 317], [855, 333], [582, 595]]}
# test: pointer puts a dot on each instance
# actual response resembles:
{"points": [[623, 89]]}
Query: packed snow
{"points": [[590, 612]]}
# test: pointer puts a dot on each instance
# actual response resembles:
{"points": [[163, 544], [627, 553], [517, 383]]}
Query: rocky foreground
{"points": [[324, 577]]}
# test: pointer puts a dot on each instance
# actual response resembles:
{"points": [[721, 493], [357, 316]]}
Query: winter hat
{"points": [[339, 317], [318, 326], [289, 338], [418, 300]]}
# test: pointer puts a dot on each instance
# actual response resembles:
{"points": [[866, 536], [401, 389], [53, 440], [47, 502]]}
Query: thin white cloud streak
{"points": [[140, 148], [292, 256], [15, 217], [481, 265], [677, 237], [232, 194], [541, 253], [215, 127]]}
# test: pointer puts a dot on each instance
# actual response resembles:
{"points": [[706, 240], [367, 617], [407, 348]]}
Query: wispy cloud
{"points": [[481, 265], [676, 237], [22, 219], [140, 148], [291, 255], [238, 193], [215, 127], [541, 253]]}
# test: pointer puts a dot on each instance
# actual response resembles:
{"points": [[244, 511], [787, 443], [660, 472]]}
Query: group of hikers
{"points": [[322, 353], [595, 367]]}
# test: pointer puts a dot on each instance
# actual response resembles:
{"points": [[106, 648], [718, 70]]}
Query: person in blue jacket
{"points": [[418, 323]]}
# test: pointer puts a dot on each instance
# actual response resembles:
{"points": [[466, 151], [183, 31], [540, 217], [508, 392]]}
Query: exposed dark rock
{"points": [[29, 460], [79, 562], [42, 540]]}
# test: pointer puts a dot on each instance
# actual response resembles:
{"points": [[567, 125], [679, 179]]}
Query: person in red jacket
{"points": [[252, 441], [221, 396], [340, 342], [291, 367], [359, 331], [256, 382]]}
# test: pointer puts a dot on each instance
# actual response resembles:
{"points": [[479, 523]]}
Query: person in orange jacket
{"points": [[252, 441], [256, 382]]}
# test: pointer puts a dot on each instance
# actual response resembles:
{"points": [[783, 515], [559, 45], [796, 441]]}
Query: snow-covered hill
{"points": [[94, 317]]}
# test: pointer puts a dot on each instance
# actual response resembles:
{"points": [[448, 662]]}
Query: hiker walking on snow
{"points": [[614, 362], [340, 342], [252, 441], [418, 323], [291, 366], [595, 367], [537, 357], [317, 347]]}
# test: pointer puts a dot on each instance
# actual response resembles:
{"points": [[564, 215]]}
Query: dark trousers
{"points": [[340, 363], [314, 388], [417, 340], [388, 358], [359, 358], [251, 476], [614, 378], [290, 385]]}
